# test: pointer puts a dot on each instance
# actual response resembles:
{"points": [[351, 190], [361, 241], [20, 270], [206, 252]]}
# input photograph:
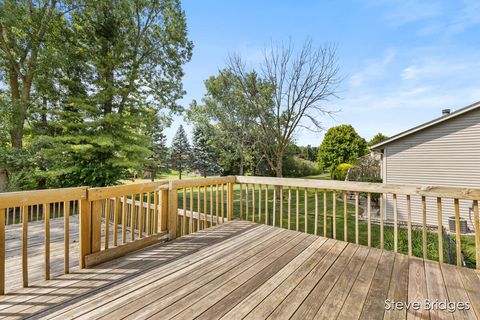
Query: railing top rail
{"points": [[27, 198], [122, 190], [422, 190], [185, 183]]}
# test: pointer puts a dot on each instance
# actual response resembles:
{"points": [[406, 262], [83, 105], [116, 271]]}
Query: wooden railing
{"points": [[286, 204], [32, 205], [116, 220]]}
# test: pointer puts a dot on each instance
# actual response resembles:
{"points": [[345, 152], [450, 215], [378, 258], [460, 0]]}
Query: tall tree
{"points": [[301, 82], [28, 30], [180, 151], [341, 144], [204, 158], [131, 69], [234, 116], [157, 161]]}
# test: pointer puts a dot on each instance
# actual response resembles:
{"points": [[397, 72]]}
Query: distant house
{"points": [[443, 152]]}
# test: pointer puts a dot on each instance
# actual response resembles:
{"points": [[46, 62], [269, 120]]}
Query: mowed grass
{"points": [[262, 214]]}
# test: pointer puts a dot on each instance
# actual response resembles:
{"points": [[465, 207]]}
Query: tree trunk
{"points": [[19, 110], [279, 167], [3, 180], [240, 169]]}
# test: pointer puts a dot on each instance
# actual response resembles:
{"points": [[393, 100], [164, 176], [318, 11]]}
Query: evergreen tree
{"points": [[204, 157], [180, 151], [157, 161]]}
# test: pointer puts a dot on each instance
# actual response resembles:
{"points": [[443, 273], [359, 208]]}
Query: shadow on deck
{"points": [[244, 270]]}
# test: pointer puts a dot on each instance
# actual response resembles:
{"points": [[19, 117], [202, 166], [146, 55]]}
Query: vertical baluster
{"points": [[38, 209], [191, 221], [184, 217], [324, 213], [8, 215], [14, 215], [31, 213], [345, 217], [107, 222], [24, 211], [211, 205], [140, 216], [156, 212], [133, 215], [124, 219], [457, 233], [222, 195], [253, 202], [289, 206], [369, 217], [382, 214], [205, 207], [247, 204], [316, 212], [259, 203], [440, 229], [216, 203], [230, 200], [395, 223], [297, 209], [66, 243], [306, 209], [149, 216], [334, 214], [241, 202], [267, 218], [274, 204], [46, 214], [356, 216], [198, 208], [424, 227], [409, 225], [116, 208], [477, 232], [281, 206]]}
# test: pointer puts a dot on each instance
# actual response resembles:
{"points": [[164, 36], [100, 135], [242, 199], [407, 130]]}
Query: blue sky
{"points": [[402, 61]]}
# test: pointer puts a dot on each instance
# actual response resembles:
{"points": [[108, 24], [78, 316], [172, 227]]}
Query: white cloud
{"points": [[373, 69], [401, 12]]}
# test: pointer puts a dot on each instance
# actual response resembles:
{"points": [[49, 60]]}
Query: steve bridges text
{"points": [[427, 304]]}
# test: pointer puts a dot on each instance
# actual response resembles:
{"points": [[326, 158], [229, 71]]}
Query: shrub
{"points": [[298, 167], [340, 171]]}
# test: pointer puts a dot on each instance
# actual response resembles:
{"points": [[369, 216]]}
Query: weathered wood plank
{"points": [[374, 306], [398, 290]]}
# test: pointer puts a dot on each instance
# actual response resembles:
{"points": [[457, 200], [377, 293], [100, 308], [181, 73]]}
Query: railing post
{"points": [[162, 223], [96, 225], [172, 210], [85, 231], [2, 250], [230, 201]]}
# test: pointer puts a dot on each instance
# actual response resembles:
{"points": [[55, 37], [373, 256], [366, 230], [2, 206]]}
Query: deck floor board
{"points": [[239, 270]]}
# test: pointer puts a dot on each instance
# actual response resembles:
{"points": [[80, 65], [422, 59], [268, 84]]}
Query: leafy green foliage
{"points": [[231, 119], [341, 144], [294, 166], [379, 137], [105, 73]]}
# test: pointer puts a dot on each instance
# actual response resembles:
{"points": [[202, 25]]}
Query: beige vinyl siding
{"points": [[446, 154]]}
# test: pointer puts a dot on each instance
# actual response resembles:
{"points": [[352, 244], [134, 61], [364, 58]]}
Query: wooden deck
{"points": [[244, 270]]}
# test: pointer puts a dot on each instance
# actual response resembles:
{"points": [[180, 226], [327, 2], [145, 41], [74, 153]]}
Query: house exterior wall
{"points": [[446, 154]]}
